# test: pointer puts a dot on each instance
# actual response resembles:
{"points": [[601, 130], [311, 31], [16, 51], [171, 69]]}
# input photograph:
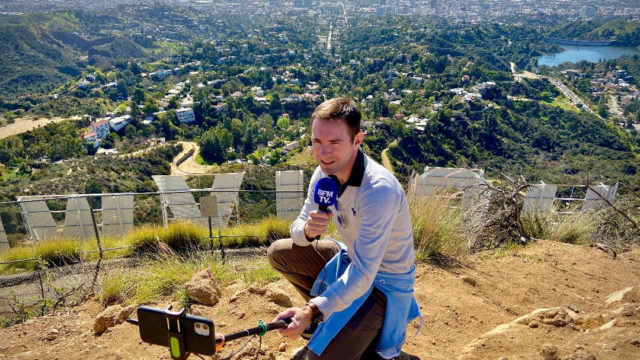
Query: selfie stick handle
{"points": [[261, 329]]}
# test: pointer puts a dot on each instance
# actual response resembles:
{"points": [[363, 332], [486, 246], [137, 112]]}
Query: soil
{"points": [[22, 125], [474, 307]]}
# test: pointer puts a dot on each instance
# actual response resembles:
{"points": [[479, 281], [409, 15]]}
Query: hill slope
{"points": [[463, 301], [36, 60]]}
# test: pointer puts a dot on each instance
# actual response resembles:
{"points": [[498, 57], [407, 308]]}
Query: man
{"points": [[364, 296]]}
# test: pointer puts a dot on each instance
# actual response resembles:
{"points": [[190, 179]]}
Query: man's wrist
{"points": [[314, 309], [309, 238]]}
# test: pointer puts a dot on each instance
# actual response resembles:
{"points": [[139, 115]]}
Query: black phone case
{"points": [[153, 329]]}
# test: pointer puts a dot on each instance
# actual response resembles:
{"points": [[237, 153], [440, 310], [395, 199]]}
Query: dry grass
{"points": [[167, 277], [577, 228], [438, 226]]}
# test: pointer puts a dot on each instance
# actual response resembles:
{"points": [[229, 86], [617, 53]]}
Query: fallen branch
{"points": [[624, 214]]}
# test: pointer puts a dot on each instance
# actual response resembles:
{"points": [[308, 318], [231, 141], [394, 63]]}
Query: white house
{"points": [[120, 122], [185, 115], [100, 127]]}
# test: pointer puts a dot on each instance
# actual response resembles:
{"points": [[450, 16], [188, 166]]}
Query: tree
{"points": [[130, 131], [210, 147], [138, 96], [150, 108], [109, 141], [237, 131], [283, 123]]}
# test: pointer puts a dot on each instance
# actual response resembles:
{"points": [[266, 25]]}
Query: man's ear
{"points": [[358, 139]]}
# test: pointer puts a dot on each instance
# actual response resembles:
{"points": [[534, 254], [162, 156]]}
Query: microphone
{"points": [[325, 195]]}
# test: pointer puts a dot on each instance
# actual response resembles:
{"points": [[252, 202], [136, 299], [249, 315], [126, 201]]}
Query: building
{"points": [[91, 137], [185, 115], [100, 127], [120, 122]]}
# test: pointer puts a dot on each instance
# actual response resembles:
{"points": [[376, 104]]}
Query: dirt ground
{"points": [[22, 125], [474, 307], [189, 166]]}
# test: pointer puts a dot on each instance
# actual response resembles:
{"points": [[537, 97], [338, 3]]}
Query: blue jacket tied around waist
{"points": [[401, 307]]}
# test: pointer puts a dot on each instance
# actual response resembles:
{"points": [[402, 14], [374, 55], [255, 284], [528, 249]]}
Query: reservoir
{"points": [[576, 53]]}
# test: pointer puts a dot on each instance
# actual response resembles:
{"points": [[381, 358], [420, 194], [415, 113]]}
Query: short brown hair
{"points": [[342, 108]]}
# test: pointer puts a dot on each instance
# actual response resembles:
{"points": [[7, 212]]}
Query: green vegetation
{"points": [[624, 32], [167, 277], [183, 238]]}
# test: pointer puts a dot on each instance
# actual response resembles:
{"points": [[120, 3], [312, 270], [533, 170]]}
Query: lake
{"points": [[575, 53]]}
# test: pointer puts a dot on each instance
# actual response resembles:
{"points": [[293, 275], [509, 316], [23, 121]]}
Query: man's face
{"points": [[333, 147]]}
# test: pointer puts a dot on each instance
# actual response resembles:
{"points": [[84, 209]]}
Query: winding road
{"points": [[190, 165]]}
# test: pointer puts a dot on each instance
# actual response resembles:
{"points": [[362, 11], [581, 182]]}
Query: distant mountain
{"points": [[621, 31], [36, 60]]}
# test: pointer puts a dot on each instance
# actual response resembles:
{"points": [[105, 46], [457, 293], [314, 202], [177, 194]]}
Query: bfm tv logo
{"points": [[325, 196]]}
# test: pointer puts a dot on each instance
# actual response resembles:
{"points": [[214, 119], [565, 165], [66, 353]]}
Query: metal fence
{"points": [[87, 217], [99, 223]]}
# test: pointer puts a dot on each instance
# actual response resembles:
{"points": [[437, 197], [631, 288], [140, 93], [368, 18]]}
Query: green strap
{"points": [[263, 328]]}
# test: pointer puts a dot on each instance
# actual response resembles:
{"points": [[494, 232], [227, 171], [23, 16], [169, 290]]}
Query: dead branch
{"points": [[622, 213]]}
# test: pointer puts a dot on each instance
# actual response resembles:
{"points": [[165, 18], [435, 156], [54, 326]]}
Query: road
{"points": [[570, 94], [190, 166], [573, 98], [385, 158]]}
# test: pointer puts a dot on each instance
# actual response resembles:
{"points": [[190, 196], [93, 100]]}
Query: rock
{"points": [[271, 293], [282, 347], [580, 354], [573, 308], [608, 325], [110, 317], [468, 280], [51, 335], [278, 296], [549, 352], [630, 294], [203, 288], [534, 324]]}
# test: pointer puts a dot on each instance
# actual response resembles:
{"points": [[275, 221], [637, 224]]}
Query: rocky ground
{"points": [[544, 301]]}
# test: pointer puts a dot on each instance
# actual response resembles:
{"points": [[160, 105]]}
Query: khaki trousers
{"points": [[301, 265]]}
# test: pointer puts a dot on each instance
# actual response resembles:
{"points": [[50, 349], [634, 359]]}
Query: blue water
{"points": [[575, 53]]}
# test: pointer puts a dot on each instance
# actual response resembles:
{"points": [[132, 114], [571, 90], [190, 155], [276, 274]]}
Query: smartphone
{"points": [[198, 332]]}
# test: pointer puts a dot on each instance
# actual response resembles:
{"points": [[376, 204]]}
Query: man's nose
{"points": [[325, 150]]}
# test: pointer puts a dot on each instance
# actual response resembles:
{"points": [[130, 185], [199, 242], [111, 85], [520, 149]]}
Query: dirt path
{"points": [[614, 108], [189, 166], [474, 307], [385, 158], [23, 125]]}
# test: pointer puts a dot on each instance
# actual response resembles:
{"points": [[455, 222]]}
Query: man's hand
{"points": [[300, 319], [317, 223]]}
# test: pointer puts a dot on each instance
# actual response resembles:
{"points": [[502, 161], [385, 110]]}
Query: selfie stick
{"points": [[176, 339]]}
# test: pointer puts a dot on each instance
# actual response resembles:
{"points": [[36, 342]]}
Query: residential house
{"points": [[185, 115], [119, 122]]}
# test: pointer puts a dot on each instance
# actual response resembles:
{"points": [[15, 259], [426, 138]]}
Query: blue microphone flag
{"points": [[326, 193]]}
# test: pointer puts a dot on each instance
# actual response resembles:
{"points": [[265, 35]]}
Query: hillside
{"points": [[470, 306], [34, 60], [623, 32]]}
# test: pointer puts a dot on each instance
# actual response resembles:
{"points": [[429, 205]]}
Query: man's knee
{"points": [[276, 252]]}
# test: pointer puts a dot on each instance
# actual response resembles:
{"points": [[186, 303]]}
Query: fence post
{"points": [[95, 229]]}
